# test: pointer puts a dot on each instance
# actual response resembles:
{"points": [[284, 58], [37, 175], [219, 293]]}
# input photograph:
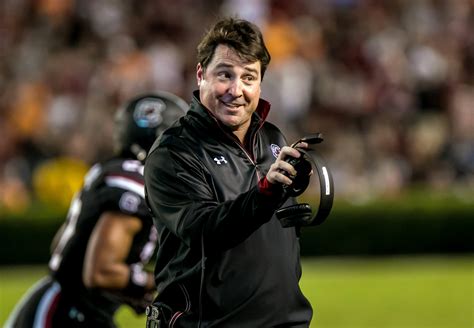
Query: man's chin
{"points": [[231, 124]]}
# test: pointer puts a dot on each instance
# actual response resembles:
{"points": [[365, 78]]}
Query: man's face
{"points": [[230, 88]]}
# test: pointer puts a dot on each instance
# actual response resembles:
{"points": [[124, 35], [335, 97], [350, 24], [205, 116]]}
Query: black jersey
{"points": [[116, 185]]}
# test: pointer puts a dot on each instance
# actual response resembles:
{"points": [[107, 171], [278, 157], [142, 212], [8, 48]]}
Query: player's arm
{"points": [[108, 248]]}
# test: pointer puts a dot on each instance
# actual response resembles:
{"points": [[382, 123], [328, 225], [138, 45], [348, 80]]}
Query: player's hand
{"points": [[139, 304]]}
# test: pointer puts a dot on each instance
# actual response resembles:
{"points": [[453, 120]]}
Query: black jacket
{"points": [[223, 257]]}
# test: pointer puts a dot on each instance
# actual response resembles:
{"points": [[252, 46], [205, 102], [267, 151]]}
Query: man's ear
{"points": [[199, 73]]}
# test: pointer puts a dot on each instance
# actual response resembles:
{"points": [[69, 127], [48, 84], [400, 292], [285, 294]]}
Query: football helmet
{"points": [[142, 119]]}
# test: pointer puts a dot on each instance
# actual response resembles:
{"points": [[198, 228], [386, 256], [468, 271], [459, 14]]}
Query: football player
{"points": [[100, 252]]}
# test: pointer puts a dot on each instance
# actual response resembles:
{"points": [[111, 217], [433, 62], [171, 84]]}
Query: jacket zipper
{"points": [[249, 156], [239, 144]]}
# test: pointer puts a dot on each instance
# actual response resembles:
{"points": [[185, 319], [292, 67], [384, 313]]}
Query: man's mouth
{"points": [[232, 105]]}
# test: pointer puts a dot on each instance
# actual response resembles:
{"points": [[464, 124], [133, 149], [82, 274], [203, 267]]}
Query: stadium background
{"points": [[390, 84]]}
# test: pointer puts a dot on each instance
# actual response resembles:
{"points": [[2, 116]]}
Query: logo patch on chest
{"points": [[275, 150]]}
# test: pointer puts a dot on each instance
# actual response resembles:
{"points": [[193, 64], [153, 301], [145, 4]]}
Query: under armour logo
{"points": [[221, 160]]}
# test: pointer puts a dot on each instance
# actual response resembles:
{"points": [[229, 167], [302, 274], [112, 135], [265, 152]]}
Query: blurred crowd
{"points": [[390, 84]]}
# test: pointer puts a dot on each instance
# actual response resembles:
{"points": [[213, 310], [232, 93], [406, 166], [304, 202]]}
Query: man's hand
{"points": [[282, 172]]}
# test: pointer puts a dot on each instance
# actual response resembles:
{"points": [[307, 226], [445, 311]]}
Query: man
{"points": [[213, 182], [100, 253]]}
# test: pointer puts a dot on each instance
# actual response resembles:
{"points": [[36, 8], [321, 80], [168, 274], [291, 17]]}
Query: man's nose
{"points": [[235, 88]]}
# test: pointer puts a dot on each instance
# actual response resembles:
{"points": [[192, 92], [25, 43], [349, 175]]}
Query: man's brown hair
{"points": [[241, 35]]}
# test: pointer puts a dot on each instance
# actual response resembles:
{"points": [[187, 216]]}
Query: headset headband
{"points": [[326, 186], [301, 214]]}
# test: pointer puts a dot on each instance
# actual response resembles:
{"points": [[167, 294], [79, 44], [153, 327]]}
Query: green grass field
{"points": [[410, 292]]}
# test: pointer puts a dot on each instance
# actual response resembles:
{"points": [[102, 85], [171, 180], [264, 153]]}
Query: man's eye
{"points": [[249, 78], [223, 75]]}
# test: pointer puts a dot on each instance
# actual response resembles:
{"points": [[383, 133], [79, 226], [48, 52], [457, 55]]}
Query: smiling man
{"points": [[213, 183], [229, 87]]}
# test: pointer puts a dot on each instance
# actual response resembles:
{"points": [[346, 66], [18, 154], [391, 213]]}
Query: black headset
{"points": [[301, 214]]}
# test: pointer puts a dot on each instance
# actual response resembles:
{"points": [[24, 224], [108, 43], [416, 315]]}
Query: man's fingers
{"points": [[277, 177], [280, 172], [288, 151], [287, 168], [300, 144]]}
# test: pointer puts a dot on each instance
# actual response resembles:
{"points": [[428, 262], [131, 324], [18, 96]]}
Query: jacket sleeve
{"points": [[180, 196]]}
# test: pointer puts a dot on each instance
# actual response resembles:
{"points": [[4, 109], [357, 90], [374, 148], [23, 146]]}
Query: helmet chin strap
{"points": [[138, 151]]}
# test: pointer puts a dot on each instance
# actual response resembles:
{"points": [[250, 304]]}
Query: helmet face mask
{"points": [[141, 120]]}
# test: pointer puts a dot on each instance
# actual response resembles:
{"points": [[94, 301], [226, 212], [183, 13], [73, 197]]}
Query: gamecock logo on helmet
{"points": [[148, 112]]}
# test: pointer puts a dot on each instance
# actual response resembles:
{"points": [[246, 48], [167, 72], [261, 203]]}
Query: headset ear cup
{"points": [[295, 215], [301, 181]]}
